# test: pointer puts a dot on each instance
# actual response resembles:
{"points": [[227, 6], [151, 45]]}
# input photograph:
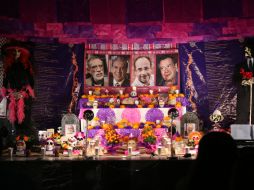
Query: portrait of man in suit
{"points": [[119, 75]]}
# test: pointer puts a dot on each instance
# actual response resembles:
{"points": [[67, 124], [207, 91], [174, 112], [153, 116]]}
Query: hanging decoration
{"points": [[18, 81]]}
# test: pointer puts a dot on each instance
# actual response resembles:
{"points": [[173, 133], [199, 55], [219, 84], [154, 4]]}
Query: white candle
{"points": [[177, 91], [159, 90], [121, 92], [151, 91], [134, 88], [90, 92]]}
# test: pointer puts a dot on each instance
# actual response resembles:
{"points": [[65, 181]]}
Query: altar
{"points": [[133, 115]]}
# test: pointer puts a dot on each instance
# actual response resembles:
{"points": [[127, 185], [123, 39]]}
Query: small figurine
{"points": [[21, 147], [80, 136], [72, 142], [50, 146], [216, 117]]}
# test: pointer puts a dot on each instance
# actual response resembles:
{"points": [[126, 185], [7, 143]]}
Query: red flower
{"points": [[245, 75]]}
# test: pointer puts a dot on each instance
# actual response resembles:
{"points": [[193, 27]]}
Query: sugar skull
{"points": [[80, 136], [72, 142], [50, 144], [42, 135]]}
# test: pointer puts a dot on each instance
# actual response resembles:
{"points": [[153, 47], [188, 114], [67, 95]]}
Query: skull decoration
{"points": [[21, 145], [72, 142], [80, 136], [50, 145], [216, 116], [42, 135]]}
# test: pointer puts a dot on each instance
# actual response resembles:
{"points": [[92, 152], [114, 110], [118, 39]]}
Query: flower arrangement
{"points": [[24, 138], [194, 138], [27, 139], [57, 138], [111, 136], [148, 135], [247, 76]]}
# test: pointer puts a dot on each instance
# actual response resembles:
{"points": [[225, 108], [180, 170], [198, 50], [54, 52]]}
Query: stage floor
{"points": [[114, 173]]}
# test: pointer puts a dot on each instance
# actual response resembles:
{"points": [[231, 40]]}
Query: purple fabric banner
{"points": [[206, 74], [53, 82]]}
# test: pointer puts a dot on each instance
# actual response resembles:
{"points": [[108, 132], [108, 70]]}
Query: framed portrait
{"points": [[3, 106], [96, 73], [119, 72], [143, 70], [188, 128], [70, 130], [167, 69], [50, 132]]}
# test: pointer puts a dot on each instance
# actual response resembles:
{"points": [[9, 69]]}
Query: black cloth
{"points": [[243, 94]]}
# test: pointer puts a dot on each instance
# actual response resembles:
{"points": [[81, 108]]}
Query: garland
{"points": [[16, 105]]}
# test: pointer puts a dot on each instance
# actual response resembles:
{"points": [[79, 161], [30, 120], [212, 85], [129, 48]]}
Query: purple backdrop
{"points": [[210, 75]]}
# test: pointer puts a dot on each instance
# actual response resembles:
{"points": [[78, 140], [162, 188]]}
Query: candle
{"points": [[129, 150], [159, 90], [90, 92], [134, 88], [151, 91], [159, 150], [121, 92]]}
